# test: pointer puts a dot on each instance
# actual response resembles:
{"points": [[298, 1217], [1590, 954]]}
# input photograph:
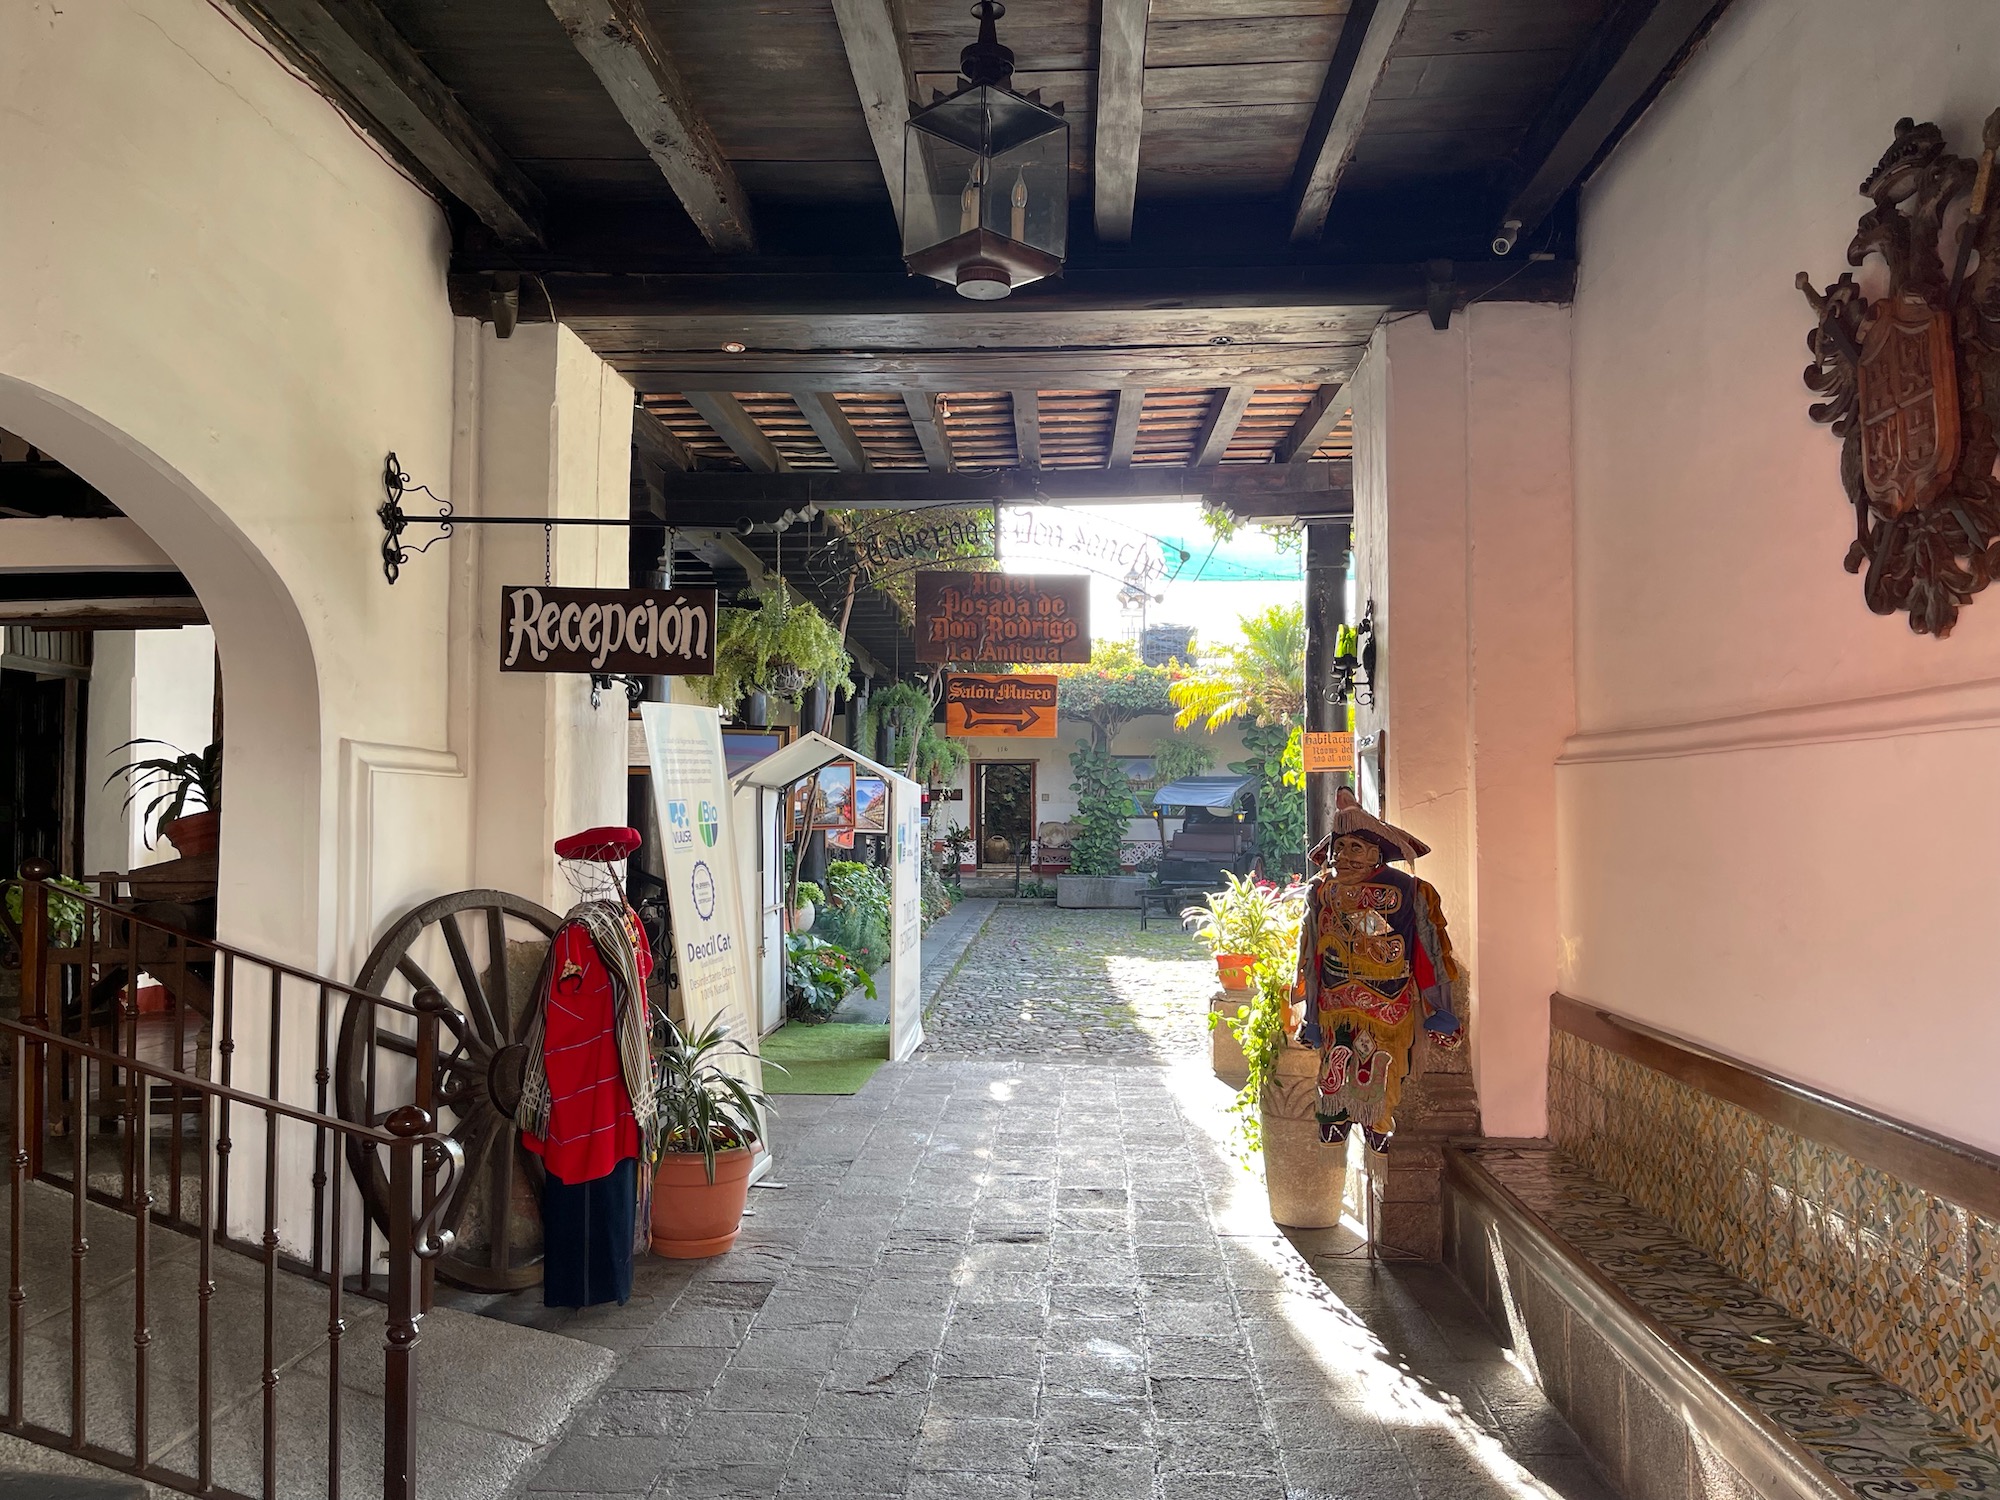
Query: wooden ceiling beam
{"points": [[1027, 407], [910, 374], [618, 41], [357, 59], [835, 433], [738, 429], [1621, 67], [1125, 427], [936, 442], [1359, 59], [721, 500], [655, 441], [885, 79], [1321, 416], [1119, 116], [1218, 428]]}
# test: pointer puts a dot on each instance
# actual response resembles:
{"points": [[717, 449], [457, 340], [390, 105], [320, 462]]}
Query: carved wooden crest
{"points": [[1912, 380]]}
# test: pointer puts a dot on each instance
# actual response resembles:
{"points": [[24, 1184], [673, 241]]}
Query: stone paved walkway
{"points": [[1021, 1278], [1042, 982]]}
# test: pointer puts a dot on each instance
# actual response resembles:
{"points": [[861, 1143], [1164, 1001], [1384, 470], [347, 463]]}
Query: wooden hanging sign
{"points": [[1002, 617], [636, 632], [1001, 705]]}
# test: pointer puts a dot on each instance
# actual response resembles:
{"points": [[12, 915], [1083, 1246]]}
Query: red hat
{"points": [[599, 845]]}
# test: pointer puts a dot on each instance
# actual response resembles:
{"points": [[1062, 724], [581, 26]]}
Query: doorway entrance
{"points": [[1003, 804]]}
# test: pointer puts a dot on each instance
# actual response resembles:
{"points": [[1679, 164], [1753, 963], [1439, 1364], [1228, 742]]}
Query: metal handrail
{"points": [[53, 1058]]}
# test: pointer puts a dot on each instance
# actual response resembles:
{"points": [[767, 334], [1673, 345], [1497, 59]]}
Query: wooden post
{"points": [[1328, 545]]}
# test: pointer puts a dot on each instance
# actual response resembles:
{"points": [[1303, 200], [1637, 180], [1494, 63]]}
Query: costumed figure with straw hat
{"points": [[1376, 969], [587, 1105]]}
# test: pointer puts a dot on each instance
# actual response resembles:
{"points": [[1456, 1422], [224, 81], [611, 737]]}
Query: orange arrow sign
{"points": [[1007, 705]]}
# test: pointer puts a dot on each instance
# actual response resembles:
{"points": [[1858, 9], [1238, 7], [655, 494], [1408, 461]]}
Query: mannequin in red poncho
{"points": [[587, 1096]]}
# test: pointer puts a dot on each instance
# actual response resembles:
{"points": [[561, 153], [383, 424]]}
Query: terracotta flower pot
{"points": [[693, 1217], [197, 833], [1234, 969]]}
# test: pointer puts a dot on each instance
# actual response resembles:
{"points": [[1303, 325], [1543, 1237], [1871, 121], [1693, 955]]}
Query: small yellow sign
{"points": [[1329, 750]]}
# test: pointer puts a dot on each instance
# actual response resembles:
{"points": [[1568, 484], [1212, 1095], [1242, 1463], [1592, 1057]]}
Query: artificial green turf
{"points": [[834, 1058]]}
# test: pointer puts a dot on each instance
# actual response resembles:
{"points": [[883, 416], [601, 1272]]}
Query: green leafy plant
{"points": [[1175, 759], [1276, 759], [1263, 678], [1037, 890], [856, 916], [818, 976], [1267, 920], [171, 780], [958, 845], [702, 1106], [937, 898], [807, 891], [925, 753], [66, 913], [1103, 809], [779, 646], [1112, 690]]}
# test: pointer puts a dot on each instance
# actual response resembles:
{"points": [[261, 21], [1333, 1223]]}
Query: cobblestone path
{"points": [[1042, 982], [1038, 1281]]}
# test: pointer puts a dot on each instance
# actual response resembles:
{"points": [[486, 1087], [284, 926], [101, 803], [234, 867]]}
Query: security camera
{"points": [[1503, 242]]}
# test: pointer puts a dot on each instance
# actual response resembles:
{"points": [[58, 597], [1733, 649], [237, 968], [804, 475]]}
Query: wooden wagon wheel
{"points": [[481, 950]]}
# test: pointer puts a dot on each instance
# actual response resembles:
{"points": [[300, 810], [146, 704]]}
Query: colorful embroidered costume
{"points": [[587, 1106], [1376, 967]]}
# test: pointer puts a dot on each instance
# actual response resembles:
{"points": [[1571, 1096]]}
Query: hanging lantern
{"points": [[986, 178]]}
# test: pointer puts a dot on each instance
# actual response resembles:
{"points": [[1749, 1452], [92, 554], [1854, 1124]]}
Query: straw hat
{"points": [[1349, 816]]}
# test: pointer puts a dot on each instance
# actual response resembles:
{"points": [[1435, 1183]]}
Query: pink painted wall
{"points": [[1462, 503], [1780, 819]]}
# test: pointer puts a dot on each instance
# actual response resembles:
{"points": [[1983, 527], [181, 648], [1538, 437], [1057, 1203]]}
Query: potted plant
{"points": [[172, 781], [777, 646], [708, 1120], [1238, 924], [806, 902], [819, 976]]}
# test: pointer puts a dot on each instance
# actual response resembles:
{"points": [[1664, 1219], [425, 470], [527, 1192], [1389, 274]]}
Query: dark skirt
{"points": [[587, 1238]]}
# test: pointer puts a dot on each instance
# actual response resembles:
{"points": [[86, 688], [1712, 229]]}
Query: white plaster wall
{"points": [[1778, 825], [1462, 536], [223, 307]]}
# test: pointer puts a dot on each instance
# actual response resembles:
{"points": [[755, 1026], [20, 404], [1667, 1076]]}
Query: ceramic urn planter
{"points": [[692, 1217], [1304, 1176], [196, 834]]}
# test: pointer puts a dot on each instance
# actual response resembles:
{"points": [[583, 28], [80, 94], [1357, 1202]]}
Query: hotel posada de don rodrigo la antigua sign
{"points": [[1010, 705], [1002, 617], [636, 632]]}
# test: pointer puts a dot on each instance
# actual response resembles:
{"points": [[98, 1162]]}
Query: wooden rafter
{"points": [[1622, 65], [723, 499], [1359, 59], [1321, 416], [878, 54], [835, 433], [739, 430], [359, 60], [619, 43], [656, 442], [1219, 426], [1028, 427], [923, 408], [1120, 115], [1125, 427]]}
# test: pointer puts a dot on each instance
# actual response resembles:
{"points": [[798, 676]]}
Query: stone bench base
{"points": [[1683, 1382]]}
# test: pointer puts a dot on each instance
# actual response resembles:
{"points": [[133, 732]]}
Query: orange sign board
{"points": [[1008, 705], [1329, 750]]}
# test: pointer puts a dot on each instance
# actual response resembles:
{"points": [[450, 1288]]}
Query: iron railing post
{"points": [[35, 1001], [410, 1125], [431, 1005]]}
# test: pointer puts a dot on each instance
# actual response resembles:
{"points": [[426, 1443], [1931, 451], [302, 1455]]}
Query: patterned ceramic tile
{"points": [[1882, 1439]]}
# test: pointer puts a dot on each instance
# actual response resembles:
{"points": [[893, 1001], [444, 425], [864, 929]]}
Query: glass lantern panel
{"points": [[1027, 193], [943, 185]]}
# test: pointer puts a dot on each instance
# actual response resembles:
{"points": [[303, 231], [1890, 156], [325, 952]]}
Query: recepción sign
{"points": [[1008, 617], [643, 632], [1005, 704]]}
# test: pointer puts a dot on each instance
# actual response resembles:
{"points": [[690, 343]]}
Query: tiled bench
{"points": [[1682, 1380]]}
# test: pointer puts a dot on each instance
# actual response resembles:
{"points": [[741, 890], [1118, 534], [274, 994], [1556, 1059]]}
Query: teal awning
{"points": [[1200, 791]]}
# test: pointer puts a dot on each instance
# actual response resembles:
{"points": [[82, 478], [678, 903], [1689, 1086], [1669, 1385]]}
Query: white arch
{"points": [[273, 891]]}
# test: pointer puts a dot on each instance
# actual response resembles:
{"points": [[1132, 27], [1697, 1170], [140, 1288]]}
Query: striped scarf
{"points": [[608, 924]]}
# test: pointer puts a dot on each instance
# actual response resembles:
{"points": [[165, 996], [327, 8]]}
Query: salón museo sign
{"points": [[634, 632]]}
